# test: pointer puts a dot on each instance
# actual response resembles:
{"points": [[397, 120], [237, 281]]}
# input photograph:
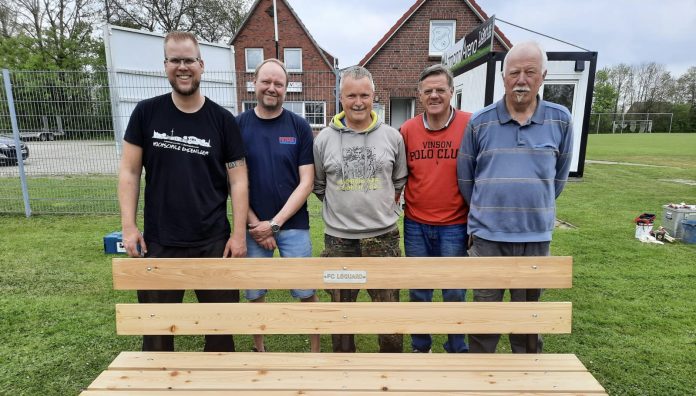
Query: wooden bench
{"points": [[287, 373]]}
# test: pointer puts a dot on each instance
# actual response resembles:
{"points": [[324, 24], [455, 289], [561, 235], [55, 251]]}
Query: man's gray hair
{"points": [[523, 45], [436, 70], [356, 73]]}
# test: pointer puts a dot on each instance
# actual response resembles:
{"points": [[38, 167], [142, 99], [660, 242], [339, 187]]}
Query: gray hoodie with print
{"points": [[358, 177]]}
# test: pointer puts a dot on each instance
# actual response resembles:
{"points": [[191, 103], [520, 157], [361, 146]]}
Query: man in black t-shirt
{"points": [[193, 156]]}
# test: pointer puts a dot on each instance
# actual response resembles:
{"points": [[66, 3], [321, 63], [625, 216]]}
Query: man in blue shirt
{"points": [[512, 165], [278, 143]]}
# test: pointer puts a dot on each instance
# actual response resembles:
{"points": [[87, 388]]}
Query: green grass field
{"points": [[634, 322]]}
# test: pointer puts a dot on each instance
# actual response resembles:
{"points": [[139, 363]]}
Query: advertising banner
{"points": [[473, 46]]}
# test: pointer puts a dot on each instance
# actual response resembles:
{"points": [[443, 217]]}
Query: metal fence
{"points": [[72, 124]]}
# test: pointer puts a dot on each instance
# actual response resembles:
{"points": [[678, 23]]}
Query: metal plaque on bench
{"points": [[343, 276]]}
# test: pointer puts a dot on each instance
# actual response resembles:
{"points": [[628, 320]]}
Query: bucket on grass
{"points": [[643, 230], [689, 231], [644, 224]]}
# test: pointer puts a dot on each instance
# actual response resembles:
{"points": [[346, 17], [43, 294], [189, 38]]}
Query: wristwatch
{"points": [[275, 227]]}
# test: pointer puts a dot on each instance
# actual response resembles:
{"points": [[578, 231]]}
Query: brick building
{"points": [[312, 79], [415, 41]]}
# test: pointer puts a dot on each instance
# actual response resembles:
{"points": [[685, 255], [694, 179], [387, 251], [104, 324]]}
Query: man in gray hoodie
{"points": [[360, 170]]}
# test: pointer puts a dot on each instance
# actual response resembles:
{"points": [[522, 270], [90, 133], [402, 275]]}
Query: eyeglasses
{"points": [[437, 91], [182, 61]]}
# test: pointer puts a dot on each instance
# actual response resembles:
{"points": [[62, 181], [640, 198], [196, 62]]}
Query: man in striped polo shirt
{"points": [[512, 165]]}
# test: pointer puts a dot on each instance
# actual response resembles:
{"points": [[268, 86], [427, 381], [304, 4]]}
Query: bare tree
{"points": [[8, 20], [61, 29], [621, 78], [686, 85], [652, 85], [219, 20], [211, 20]]}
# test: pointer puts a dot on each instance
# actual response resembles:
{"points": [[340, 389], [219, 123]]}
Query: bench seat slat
{"points": [[343, 380], [323, 393], [344, 318], [336, 361], [342, 361], [308, 273]]}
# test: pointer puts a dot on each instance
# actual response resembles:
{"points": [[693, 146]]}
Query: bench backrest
{"points": [[344, 273]]}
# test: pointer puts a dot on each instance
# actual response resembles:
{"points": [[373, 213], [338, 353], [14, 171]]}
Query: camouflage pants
{"points": [[385, 245]]}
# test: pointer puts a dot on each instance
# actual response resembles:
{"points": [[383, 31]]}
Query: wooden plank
{"points": [[343, 361], [309, 273], [343, 380], [322, 393], [344, 318]]}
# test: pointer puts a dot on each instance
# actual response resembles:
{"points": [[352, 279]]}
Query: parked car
{"points": [[42, 135], [8, 152]]}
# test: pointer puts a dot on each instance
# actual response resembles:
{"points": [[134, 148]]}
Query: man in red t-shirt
{"points": [[435, 215]]}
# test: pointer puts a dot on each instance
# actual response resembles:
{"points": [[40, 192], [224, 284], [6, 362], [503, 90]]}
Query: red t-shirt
{"points": [[432, 195]]}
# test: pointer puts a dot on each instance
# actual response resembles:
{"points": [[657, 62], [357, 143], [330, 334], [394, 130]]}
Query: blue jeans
{"points": [[424, 240], [291, 243]]}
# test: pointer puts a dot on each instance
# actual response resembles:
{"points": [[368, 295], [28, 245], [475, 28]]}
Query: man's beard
{"points": [[274, 106], [195, 84], [520, 93]]}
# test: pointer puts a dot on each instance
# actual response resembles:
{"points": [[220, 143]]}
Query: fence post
{"points": [[18, 147], [671, 115], [337, 89]]}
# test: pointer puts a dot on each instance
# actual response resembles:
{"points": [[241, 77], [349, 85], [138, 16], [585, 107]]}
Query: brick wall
{"points": [[397, 65], [317, 78]]}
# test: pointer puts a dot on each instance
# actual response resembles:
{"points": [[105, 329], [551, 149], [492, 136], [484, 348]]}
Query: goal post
{"points": [[631, 122], [632, 126]]}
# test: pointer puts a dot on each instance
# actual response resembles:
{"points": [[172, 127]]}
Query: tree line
{"points": [[64, 34], [62, 39], [647, 88]]}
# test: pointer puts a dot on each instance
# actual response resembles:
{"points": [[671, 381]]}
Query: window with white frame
{"points": [[441, 36], [313, 112], [253, 56], [295, 107], [293, 59]]}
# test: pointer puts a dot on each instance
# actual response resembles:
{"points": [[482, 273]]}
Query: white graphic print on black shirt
{"points": [[184, 156]]}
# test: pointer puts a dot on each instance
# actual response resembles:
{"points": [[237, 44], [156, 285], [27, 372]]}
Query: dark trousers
{"points": [[213, 343], [386, 245], [487, 343]]}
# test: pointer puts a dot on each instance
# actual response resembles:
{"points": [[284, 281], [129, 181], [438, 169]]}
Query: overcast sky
{"points": [[621, 31]]}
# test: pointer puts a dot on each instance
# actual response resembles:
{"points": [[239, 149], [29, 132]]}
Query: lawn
{"points": [[634, 313]]}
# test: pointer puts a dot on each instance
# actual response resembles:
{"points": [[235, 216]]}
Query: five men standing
{"points": [[435, 215], [513, 164], [278, 143]]}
